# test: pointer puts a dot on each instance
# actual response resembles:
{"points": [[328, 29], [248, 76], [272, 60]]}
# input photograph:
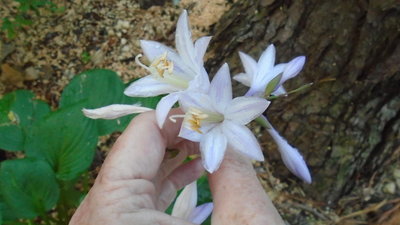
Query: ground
{"points": [[43, 58]]}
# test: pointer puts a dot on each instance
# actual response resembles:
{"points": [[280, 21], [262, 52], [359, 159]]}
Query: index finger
{"points": [[139, 151]]}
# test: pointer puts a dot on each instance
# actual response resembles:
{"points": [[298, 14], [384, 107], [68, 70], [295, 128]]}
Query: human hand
{"points": [[138, 181], [238, 195]]}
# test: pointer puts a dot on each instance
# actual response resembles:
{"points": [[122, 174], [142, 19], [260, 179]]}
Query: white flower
{"points": [[185, 206], [114, 111], [216, 120], [258, 74], [291, 157], [172, 72]]}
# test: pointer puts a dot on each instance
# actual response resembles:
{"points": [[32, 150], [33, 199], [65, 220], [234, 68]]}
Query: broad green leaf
{"points": [[28, 188], [22, 106], [18, 111], [272, 85], [11, 138], [65, 139], [100, 88]]}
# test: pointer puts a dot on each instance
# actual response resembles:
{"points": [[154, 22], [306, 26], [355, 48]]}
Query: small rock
{"points": [[389, 188], [126, 48], [31, 73], [122, 24], [97, 57], [123, 41]]}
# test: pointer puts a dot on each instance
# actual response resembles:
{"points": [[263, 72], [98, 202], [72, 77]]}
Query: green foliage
{"points": [[28, 188], [18, 111], [58, 145], [66, 140], [10, 25], [99, 88], [85, 57]]}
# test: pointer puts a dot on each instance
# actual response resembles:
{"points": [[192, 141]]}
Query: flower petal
{"points": [[196, 100], [243, 78], [241, 139], [184, 44], [164, 106], [243, 110], [265, 64], [293, 68], [153, 50], [114, 111], [212, 146], [148, 86], [291, 157], [249, 64], [201, 213], [186, 202], [200, 83], [190, 134], [221, 88], [200, 47]]}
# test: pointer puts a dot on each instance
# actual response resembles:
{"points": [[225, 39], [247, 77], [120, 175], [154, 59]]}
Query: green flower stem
{"points": [[262, 120]]}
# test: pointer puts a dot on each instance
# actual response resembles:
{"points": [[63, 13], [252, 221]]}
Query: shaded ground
{"points": [[106, 34]]}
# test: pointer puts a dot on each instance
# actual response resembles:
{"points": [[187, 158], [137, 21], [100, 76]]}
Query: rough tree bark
{"points": [[348, 128]]}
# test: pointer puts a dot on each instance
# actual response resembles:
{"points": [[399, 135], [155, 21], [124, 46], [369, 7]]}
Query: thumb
{"points": [[238, 196]]}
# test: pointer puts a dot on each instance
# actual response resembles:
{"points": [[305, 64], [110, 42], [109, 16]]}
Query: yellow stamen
{"points": [[162, 65], [195, 119]]}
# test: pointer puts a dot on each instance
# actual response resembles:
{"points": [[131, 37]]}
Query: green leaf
{"points": [[18, 111], [28, 188], [11, 138], [101, 88], [272, 85], [65, 139], [24, 107]]}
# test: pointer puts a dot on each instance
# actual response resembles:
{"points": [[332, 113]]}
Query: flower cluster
{"points": [[211, 116]]}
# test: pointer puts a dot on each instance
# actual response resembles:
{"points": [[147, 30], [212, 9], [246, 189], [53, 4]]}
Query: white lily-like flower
{"points": [[172, 72], [185, 206], [258, 74], [216, 120], [291, 157], [114, 111]]}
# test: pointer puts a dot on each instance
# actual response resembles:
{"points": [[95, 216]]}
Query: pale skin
{"points": [[139, 180]]}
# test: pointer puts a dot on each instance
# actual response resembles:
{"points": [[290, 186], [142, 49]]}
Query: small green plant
{"points": [[22, 17], [85, 57]]}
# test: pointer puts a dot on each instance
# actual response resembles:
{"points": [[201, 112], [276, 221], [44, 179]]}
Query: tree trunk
{"points": [[347, 124]]}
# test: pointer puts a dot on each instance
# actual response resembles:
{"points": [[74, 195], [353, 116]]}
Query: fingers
{"points": [[238, 196], [180, 177], [140, 149]]}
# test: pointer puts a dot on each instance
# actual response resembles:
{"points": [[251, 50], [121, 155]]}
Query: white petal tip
{"points": [[201, 213], [114, 111]]}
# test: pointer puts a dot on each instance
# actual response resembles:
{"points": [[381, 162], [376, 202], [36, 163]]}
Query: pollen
{"points": [[162, 65], [195, 119]]}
